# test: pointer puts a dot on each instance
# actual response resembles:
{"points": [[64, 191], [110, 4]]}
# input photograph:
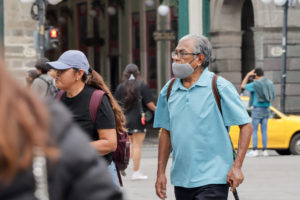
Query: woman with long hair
{"points": [[78, 82], [43, 154], [135, 97]]}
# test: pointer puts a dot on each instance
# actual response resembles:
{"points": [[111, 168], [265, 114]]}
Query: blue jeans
{"points": [[260, 115], [113, 172]]}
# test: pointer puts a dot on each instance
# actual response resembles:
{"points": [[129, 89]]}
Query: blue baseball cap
{"points": [[71, 59]]}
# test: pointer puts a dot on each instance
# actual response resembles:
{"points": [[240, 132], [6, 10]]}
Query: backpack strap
{"points": [[216, 92], [59, 94], [218, 100], [170, 88], [95, 103], [44, 80]]}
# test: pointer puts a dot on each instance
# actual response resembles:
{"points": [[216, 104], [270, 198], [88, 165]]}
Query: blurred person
{"points": [[194, 128], [52, 73], [133, 94], [262, 93], [44, 84], [76, 92], [30, 76], [35, 138]]}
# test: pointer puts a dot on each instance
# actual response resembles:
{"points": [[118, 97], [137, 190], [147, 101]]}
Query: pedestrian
{"points": [[44, 84], [135, 97], [44, 155], [262, 93], [71, 77], [30, 76], [194, 129]]}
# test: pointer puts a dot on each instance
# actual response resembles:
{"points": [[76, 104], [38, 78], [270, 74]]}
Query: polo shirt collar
{"points": [[202, 81]]}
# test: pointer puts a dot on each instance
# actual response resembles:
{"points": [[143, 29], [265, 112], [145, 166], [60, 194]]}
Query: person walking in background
{"points": [[44, 84], [134, 96], [194, 129], [30, 76], [44, 155], [72, 73], [262, 93]]}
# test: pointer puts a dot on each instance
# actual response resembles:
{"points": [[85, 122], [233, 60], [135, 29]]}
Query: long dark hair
{"points": [[131, 79], [95, 80], [24, 125]]}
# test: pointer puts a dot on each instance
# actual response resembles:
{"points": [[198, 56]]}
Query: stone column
{"points": [[20, 54], [227, 55]]}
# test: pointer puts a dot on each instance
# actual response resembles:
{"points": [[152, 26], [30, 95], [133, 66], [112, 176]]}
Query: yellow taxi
{"points": [[283, 131]]}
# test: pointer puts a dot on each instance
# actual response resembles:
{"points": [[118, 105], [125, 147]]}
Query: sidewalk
{"points": [[266, 178]]}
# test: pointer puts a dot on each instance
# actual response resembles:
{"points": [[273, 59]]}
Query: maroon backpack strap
{"points": [[95, 103], [59, 94], [170, 88], [216, 92]]}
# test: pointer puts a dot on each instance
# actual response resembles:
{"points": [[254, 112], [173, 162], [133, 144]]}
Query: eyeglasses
{"points": [[180, 54]]}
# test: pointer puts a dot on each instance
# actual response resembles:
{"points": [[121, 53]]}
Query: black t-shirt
{"points": [[79, 105], [133, 114]]}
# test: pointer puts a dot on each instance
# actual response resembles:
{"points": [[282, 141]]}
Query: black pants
{"points": [[207, 192]]}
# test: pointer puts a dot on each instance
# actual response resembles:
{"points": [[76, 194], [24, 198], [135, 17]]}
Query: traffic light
{"points": [[51, 38]]}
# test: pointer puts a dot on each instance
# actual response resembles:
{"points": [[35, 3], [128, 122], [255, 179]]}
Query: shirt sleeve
{"points": [[233, 110], [105, 116], [146, 94], [162, 117], [250, 87]]}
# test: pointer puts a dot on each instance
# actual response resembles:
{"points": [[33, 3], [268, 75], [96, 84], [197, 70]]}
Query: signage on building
{"points": [[276, 51], [164, 35]]}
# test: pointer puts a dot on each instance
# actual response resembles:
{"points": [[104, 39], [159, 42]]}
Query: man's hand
{"points": [[235, 177], [251, 73], [246, 78], [160, 186]]}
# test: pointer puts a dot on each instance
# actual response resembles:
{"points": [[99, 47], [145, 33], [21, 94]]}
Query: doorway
{"points": [[248, 57]]}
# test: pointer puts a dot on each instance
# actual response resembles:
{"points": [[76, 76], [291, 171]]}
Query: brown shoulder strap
{"points": [[216, 92], [95, 103], [170, 88]]}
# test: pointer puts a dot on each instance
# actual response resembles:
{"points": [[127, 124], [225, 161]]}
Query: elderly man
{"points": [[194, 129]]}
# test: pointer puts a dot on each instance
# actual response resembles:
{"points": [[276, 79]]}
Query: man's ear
{"points": [[201, 58]]}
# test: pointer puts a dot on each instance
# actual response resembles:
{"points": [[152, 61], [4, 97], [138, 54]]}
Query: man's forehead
{"points": [[185, 45]]}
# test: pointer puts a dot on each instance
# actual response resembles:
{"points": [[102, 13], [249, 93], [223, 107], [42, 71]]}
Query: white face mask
{"points": [[182, 70]]}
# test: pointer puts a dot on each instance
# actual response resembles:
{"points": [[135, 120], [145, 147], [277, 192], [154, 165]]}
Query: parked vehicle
{"points": [[283, 131]]}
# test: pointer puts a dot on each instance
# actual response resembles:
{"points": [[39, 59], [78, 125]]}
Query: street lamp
{"points": [[285, 4], [41, 8]]}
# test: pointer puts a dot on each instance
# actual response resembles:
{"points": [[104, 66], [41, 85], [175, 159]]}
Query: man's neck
{"points": [[259, 77], [189, 81]]}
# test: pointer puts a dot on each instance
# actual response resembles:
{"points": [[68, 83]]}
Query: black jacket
{"points": [[79, 174]]}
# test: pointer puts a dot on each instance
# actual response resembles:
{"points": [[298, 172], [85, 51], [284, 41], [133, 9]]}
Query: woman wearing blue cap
{"points": [[72, 73]]}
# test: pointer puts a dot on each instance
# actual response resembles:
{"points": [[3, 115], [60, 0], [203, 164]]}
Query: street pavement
{"points": [[266, 178]]}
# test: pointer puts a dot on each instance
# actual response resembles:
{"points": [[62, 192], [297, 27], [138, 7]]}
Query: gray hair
{"points": [[201, 45]]}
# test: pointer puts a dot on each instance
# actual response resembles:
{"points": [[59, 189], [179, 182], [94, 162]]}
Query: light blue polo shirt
{"points": [[250, 88], [201, 148]]}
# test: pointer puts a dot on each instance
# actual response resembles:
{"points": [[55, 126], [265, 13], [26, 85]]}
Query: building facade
{"points": [[247, 34], [112, 33]]}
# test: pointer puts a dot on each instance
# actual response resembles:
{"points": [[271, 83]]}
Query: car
{"points": [[283, 131]]}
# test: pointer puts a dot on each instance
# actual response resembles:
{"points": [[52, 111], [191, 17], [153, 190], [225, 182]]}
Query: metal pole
{"points": [[41, 12], [284, 53], [1, 29]]}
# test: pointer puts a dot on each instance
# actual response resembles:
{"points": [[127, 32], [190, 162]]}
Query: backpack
{"points": [[51, 89], [122, 153]]}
